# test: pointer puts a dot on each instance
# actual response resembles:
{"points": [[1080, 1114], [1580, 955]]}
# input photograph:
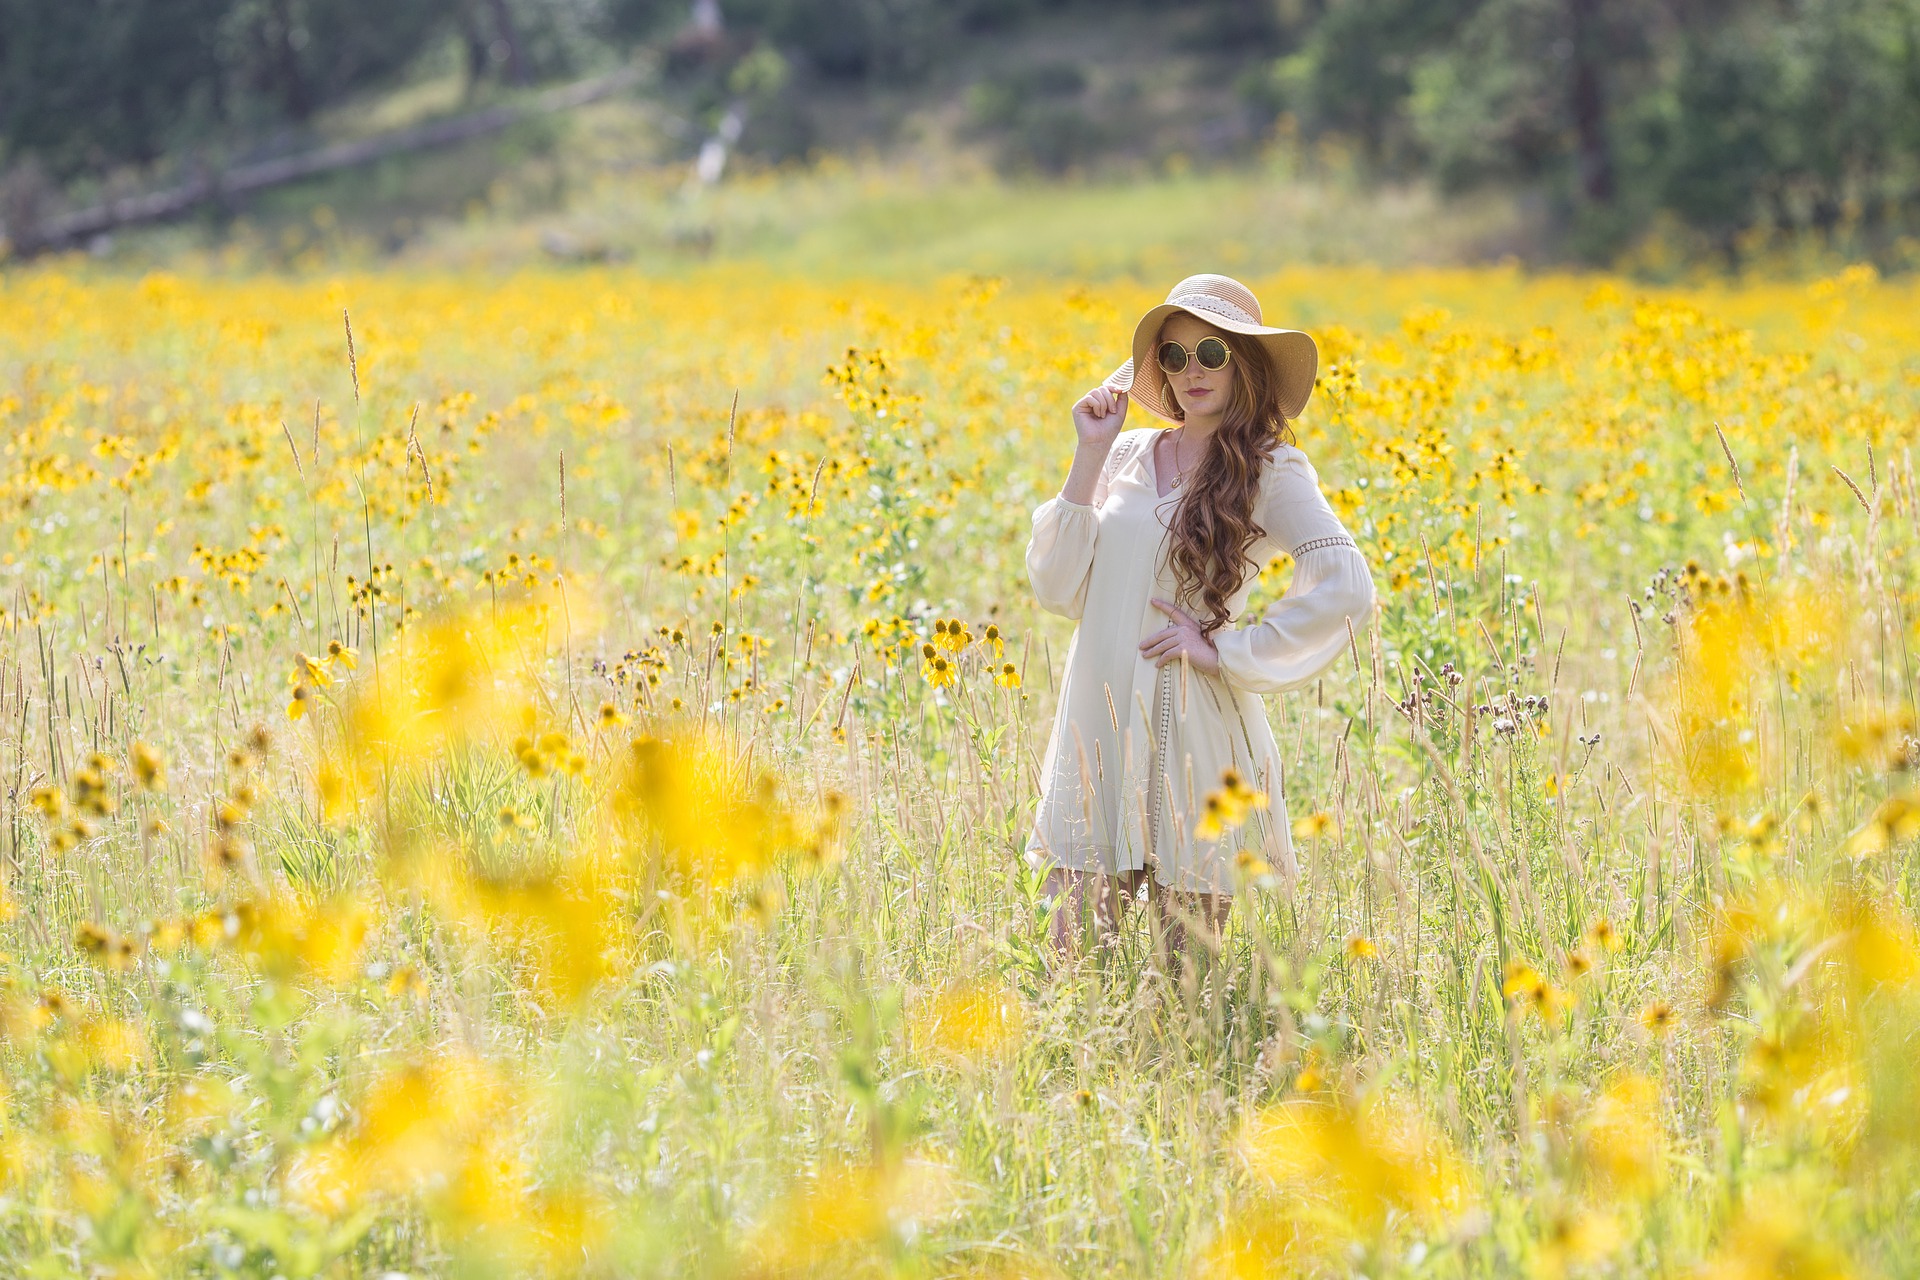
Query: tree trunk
{"points": [[1589, 103], [475, 41], [507, 34], [295, 97]]}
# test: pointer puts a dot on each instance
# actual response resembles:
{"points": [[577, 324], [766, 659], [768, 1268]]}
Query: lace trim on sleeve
{"points": [[1332, 540], [1117, 459]]}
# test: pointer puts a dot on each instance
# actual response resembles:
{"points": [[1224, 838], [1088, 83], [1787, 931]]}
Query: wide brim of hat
{"points": [[1296, 360]]}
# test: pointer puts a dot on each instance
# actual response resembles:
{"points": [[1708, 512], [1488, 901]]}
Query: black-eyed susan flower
{"points": [[1227, 806], [149, 769], [1522, 982], [1252, 869], [1313, 825], [406, 982], [307, 671]]}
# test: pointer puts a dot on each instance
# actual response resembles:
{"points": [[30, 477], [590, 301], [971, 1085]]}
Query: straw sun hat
{"points": [[1226, 304]]}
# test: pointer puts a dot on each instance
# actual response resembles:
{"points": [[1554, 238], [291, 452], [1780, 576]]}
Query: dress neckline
{"points": [[1152, 464]]}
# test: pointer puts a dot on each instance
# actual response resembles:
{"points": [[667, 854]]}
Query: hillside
{"points": [[1064, 146], [1646, 137]]}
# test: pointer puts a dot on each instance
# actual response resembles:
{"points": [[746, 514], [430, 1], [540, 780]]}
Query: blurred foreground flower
{"points": [[449, 1135], [1894, 821], [1623, 1142], [449, 678], [850, 1220], [1313, 825], [1526, 991], [281, 935], [693, 803], [149, 769], [968, 1019], [1227, 807], [1883, 949], [1772, 1238], [285, 936], [560, 925], [1338, 1172], [1737, 640]]}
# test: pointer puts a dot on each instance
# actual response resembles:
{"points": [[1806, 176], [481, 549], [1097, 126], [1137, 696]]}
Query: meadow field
{"points": [[523, 774]]}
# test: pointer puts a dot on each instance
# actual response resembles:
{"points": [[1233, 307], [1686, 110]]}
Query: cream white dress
{"points": [[1136, 749]]}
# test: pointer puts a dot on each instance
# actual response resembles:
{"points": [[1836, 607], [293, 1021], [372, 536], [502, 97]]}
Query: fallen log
{"points": [[60, 231]]}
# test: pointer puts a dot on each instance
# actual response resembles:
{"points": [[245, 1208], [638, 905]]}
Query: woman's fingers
{"points": [[1160, 640], [1168, 643], [1177, 650], [1164, 644], [1104, 401]]}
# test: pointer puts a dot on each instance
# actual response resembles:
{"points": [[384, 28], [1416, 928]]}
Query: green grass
{"points": [[796, 1067]]}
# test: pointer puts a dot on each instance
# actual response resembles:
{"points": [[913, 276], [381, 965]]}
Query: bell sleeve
{"points": [[1060, 555], [1300, 634], [1060, 552]]}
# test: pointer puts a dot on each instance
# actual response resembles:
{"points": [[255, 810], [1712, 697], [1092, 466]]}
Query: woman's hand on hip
{"points": [[1098, 417], [1182, 637]]}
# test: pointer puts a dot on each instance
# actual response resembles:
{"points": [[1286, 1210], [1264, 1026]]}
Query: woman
{"points": [[1153, 545]]}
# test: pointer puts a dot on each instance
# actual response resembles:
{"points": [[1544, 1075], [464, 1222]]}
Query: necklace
{"points": [[1183, 475]]}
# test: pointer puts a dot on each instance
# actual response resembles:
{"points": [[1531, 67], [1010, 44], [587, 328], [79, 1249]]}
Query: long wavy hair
{"points": [[1213, 527]]}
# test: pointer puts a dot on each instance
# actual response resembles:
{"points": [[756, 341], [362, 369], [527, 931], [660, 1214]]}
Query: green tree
{"points": [[84, 83], [1803, 117], [1352, 74], [1801, 114], [300, 55]]}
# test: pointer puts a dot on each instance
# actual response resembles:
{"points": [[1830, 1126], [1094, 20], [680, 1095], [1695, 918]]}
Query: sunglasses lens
{"points": [[1212, 353], [1173, 357]]}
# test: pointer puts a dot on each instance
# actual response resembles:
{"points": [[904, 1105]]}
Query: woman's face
{"points": [[1200, 393]]}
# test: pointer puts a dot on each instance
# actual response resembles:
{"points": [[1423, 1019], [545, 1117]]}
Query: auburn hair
{"points": [[1213, 526]]}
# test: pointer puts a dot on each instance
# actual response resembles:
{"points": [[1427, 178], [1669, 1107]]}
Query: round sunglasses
{"points": [[1212, 353]]}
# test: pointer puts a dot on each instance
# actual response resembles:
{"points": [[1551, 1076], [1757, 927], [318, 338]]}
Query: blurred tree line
{"points": [[89, 84], [1726, 114]]}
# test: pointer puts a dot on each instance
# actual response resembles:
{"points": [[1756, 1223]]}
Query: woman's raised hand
{"points": [[1096, 419], [1099, 415]]}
